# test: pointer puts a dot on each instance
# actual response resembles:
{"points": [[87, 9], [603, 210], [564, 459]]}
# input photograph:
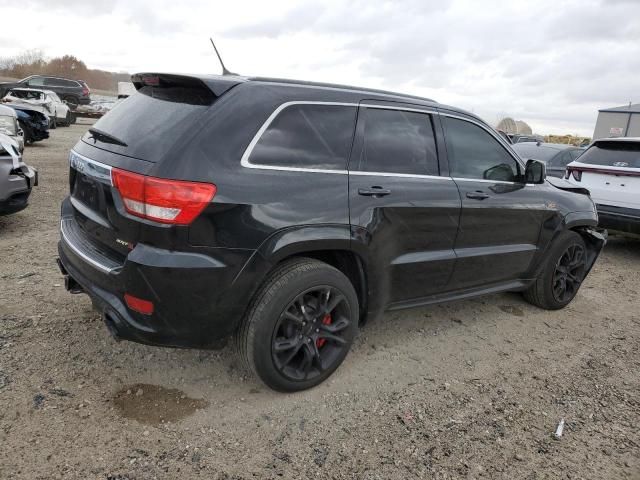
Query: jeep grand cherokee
{"points": [[286, 213]]}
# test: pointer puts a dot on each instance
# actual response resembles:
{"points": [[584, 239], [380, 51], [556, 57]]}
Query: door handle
{"points": [[374, 191], [477, 195]]}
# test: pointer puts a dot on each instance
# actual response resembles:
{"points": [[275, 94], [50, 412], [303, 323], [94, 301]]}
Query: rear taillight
{"points": [[575, 173], [85, 91], [176, 202]]}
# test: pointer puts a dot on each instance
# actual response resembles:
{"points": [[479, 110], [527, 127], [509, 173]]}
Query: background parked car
{"points": [[62, 112], [71, 91], [9, 126], [555, 156], [610, 170], [33, 123], [17, 179], [31, 97]]}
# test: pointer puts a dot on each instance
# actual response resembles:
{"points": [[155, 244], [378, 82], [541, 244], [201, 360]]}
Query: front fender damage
{"points": [[595, 239]]}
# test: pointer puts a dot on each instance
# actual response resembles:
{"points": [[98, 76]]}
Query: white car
{"points": [[62, 111], [51, 105], [610, 170]]}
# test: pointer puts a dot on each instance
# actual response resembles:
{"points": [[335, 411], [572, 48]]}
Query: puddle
{"points": [[153, 404], [512, 310]]}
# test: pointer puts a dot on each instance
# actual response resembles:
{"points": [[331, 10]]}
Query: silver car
{"points": [[9, 126], [17, 179]]}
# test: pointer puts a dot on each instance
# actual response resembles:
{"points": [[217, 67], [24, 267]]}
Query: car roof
{"points": [[221, 83], [618, 139]]}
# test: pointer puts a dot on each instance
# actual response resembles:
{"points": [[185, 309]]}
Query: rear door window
{"points": [[307, 136], [36, 82], [474, 153], [613, 154], [398, 141]]}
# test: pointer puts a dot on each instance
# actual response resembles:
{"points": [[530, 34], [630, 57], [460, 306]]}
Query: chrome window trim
{"points": [[92, 163], [401, 175], [81, 254], [244, 161]]}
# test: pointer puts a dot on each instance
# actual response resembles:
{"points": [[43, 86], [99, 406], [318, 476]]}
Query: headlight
{"points": [[8, 125]]}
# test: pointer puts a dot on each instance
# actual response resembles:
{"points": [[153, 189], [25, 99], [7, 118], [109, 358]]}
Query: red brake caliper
{"points": [[326, 320]]}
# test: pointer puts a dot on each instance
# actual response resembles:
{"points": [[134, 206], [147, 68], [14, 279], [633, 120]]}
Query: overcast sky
{"points": [[552, 63]]}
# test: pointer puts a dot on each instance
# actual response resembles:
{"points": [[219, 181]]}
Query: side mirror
{"points": [[535, 172]]}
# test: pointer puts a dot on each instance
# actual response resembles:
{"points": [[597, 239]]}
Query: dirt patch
{"points": [[153, 404], [512, 309], [463, 390]]}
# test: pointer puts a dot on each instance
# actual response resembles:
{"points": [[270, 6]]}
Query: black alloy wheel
{"points": [[569, 273], [309, 337], [563, 271], [300, 325]]}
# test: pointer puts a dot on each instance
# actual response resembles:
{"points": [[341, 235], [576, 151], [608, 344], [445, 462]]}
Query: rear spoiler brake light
{"points": [[189, 89], [577, 170]]}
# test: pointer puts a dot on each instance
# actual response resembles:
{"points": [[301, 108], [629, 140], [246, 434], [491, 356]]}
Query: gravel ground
{"points": [[471, 389]]}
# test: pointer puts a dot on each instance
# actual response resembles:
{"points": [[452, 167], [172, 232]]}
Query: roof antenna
{"points": [[224, 69]]}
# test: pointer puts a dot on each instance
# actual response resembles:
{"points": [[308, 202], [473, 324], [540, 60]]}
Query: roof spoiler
{"points": [[192, 89]]}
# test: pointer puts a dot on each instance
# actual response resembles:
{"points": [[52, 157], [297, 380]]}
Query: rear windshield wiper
{"points": [[105, 137]]}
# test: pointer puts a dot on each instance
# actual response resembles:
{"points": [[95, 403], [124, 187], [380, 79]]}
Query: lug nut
{"points": [[317, 330], [304, 323]]}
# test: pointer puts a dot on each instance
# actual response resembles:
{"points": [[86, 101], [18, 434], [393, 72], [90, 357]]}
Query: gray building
{"points": [[618, 122]]}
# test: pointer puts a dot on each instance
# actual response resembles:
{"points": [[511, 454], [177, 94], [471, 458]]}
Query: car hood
{"points": [[562, 184], [27, 107]]}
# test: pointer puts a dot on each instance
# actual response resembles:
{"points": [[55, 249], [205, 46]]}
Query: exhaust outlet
{"points": [[72, 286]]}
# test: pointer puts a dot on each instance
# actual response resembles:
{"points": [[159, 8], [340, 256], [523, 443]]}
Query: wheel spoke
{"points": [[294, 317], [290, 357], [285, 344], [337, 326], [331, 337], [303, 308], [334, 302], [307, 362]]}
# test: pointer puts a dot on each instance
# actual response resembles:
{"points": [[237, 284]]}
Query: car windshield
{"points": [[533, 151], [26, 94], [613, 154]]}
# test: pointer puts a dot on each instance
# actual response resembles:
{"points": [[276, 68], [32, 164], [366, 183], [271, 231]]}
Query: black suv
{"points": [[71, 91], [287, 213]]}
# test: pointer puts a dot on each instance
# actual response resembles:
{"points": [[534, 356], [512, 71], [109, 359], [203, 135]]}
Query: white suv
{"points": [[610, 170]]}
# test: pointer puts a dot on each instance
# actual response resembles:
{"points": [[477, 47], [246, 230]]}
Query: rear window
{"points": [[613, 154], [149, 126], [307, 136]]}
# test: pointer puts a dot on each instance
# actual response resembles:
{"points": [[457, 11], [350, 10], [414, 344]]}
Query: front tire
{"points": [[562, 274], [300, 325]]}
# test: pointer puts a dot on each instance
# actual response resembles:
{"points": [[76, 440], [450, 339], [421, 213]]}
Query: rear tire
{"points": [[299, 326], [562, 274]]}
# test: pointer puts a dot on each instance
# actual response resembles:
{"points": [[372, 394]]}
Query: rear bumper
{"points": [[619, 218], [195, 302]]}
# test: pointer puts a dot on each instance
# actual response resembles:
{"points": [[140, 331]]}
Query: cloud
{"points": [[553, 63]]}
